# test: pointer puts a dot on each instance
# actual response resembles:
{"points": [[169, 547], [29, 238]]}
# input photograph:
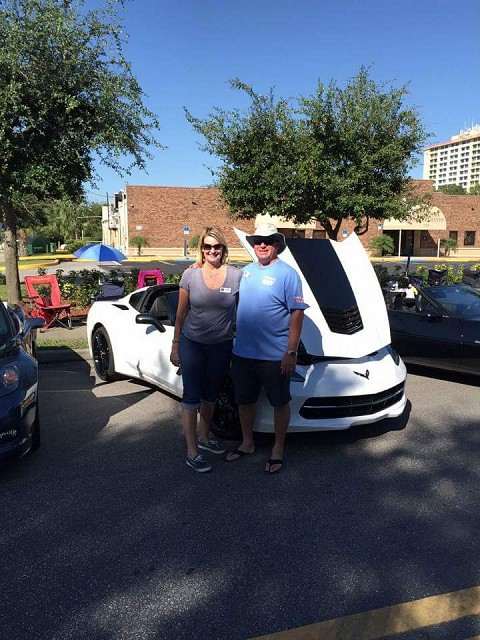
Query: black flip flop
{"points": [[240, 454], [271, 462]]}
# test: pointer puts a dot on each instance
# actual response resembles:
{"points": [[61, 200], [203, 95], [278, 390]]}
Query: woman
{"points": [[203, 339]]}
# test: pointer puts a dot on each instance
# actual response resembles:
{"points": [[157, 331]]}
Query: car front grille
{"points": [[350, 406], [346, 321]]}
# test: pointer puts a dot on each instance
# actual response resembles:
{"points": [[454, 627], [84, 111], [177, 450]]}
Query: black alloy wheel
{"points": [[103, 355], [226, 423]]}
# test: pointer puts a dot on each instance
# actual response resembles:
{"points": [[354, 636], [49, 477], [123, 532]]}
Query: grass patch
{"points": [[58, 343], [3, 291]]}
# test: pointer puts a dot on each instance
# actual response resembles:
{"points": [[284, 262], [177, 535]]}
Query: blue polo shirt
{"points": [[267, 295]]}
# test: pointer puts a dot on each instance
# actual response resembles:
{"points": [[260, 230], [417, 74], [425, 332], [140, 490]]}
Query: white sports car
{"points": [[347, 372]]}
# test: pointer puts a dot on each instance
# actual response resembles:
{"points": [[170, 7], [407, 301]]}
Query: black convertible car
{"points": [[437, 326], [19, 417]]}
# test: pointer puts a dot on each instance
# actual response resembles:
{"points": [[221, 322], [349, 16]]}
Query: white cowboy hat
{"points": [[268, 230]]}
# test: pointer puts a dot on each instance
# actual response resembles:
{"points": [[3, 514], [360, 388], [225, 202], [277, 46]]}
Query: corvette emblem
{"points": [[363, 375]]}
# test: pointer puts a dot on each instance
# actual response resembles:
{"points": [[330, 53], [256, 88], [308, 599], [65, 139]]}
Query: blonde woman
{"points": [[203, 340]]}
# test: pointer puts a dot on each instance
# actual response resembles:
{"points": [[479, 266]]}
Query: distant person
{"points": [[203, 339], [269, 324]]}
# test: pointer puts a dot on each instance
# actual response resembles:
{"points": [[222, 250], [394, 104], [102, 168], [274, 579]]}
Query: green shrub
{"points": [[380, 245], [448, 245], [138, 242], [73, 245], [193, 242], [454, 274], [382, 274], [172, 278]]}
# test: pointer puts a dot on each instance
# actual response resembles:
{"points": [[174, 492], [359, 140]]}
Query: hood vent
{"points": [[347, 321]]}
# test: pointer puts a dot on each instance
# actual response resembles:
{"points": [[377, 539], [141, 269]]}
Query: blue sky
{"points": [[184, 52]]}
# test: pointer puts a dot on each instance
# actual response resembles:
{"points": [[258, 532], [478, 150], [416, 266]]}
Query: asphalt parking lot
{"points": [[107, 534]]}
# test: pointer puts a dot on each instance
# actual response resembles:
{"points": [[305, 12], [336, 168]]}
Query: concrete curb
{"points": [[51, 355]]}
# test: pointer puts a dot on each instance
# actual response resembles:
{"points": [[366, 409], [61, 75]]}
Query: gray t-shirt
{"points": [[210, 317]]}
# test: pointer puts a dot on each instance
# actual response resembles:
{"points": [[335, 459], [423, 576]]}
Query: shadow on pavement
{"points": [[111, 535]]}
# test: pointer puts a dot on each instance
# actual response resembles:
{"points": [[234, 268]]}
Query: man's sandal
{"points": [[239, 454], [271, 463]]}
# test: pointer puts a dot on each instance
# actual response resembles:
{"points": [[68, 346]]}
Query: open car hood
{"points": [[347, 316]]}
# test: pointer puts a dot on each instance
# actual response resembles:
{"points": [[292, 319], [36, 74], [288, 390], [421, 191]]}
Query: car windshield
{"points": [[459, 301], [6, 332]]}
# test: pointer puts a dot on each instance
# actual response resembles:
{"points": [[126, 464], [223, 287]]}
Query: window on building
{"points": [[293, 233], [469, 238], [319, 234], [453, 235]]}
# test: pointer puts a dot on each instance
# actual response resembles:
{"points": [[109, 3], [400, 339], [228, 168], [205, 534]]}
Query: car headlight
{"points": [[9, 379]]}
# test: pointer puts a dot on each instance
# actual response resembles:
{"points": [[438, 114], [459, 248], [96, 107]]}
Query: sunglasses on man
{"points": [[267, 241]]}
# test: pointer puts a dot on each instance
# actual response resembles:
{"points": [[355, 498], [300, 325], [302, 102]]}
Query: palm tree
{"points": [[449, 244], [139, 242]]}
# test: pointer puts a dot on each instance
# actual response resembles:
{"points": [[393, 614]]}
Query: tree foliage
{"points": [[448, 245], [382, 244], [139, 242], [67, 95], [475, 190], [339, 154], [452, 189], [67, 220]]}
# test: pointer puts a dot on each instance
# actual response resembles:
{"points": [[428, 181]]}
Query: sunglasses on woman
{"points": [[215, 247]]}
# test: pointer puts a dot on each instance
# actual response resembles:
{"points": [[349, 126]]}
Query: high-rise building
{"points": [[456, 161]]}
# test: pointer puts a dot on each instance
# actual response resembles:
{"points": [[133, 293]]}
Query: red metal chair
{"points": [[147, 278], [44, 294]]}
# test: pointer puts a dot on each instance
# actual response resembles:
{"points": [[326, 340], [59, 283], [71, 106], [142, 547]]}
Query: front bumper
{"points": [[337, 395], [17, 422]]}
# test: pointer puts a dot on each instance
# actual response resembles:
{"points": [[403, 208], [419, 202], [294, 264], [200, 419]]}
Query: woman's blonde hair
{"points": [[213, 232]]}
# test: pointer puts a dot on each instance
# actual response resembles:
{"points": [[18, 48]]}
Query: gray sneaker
{"points": [[198, 463], [211, 445]]}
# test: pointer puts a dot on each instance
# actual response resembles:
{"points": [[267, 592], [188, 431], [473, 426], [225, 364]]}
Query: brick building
{"points": [[160, 215]]}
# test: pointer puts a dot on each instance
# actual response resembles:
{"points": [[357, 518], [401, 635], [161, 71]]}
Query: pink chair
{"points": [[148, 278]]}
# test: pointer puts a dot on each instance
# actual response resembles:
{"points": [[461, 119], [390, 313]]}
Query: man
{"points": [[269, 323]]}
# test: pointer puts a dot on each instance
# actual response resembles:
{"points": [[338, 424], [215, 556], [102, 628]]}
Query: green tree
{"points": [[475, 190], [339, 154], [67, 96], [66, 220], [139, 242], [448, 245], [379, 245], [452, 189]]}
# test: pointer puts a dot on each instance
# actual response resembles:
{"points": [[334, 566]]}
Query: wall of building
{"points": [[160, 214]]}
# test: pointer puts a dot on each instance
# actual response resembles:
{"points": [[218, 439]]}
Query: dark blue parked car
{"points": [[19, 417]]}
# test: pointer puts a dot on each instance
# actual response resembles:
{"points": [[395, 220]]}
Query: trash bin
{"points": [[53, 247], [29, 248]]}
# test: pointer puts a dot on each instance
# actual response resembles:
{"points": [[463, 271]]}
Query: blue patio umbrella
{"points": [[78, 253], [101, 253]]}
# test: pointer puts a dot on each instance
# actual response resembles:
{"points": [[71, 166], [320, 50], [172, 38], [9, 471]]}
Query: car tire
{"points": [[36, 430], [103, 360], [226, 423]]}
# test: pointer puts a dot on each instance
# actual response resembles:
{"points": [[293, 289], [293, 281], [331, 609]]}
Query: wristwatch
{"points": [[292, 352]]}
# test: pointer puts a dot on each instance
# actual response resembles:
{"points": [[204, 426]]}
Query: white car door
{"points": [[153, 347]]}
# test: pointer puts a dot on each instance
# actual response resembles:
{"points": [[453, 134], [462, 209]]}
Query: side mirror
{"points": [[32, 323], [146, 318]]}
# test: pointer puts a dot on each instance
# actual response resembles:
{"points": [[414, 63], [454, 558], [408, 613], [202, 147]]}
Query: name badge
{"points": [[225, 290]]}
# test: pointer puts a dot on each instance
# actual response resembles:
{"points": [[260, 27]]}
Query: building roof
{"points": [[464, 135]]}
